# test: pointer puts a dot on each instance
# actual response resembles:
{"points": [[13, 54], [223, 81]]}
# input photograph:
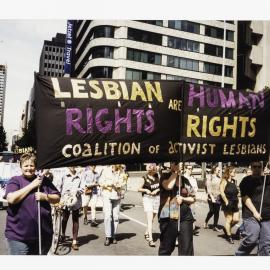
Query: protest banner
{"points": [[82, 122], [222, 124], [106, 121]]}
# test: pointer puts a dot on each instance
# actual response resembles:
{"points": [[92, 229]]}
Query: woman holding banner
{"points": [[111, 181], [22, 213], [151, 199], [229, 194]]}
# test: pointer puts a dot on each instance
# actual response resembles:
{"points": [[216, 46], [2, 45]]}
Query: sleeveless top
{"points": [[150, 184]]}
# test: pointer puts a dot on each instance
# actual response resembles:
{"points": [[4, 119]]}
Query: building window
{"points": [[103, 31], [227, 85], [182, 63], [143, 56], [228, 71], [211, 68], [216, 69], [216, 32], [101, 72], [102, 52], [218, 84], [185, 26], [229, 35], [144, 36], [213, 50], [159, 22], [132, 74], [229, 53], [183, 44], [179, 78]]}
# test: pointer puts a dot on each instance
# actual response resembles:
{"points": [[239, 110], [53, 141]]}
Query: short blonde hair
{"points": [[28, 156]]}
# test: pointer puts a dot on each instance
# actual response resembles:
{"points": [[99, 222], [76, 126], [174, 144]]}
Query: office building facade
{"points": [[162, 49], [253, 55], [52, 56], [3, 80]]}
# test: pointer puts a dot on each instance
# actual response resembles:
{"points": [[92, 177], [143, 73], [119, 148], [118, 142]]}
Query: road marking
{"points": [[133, 219]]}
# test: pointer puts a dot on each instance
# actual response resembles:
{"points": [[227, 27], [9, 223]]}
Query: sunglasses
{"points": [[257, 167]]}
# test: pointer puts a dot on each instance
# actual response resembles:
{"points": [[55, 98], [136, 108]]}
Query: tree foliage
{"points": [[29, 136], [3, 139]]}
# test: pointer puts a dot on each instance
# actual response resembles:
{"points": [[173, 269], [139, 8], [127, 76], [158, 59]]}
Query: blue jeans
{"points": [[111, 209], [28, 247], [256, 233]]}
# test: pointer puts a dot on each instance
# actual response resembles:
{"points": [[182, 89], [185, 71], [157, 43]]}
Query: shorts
{"points": [[151, 203], [89, 200]]}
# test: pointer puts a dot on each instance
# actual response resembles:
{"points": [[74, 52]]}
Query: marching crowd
{"points": [[168, 192]]}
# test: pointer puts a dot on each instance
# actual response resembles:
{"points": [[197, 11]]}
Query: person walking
{"points": [[151, 199], [256, 225], [112, 180], [71, 190], [171, 203], [213, 197], [193, 181], [22, 194], [89, 197], [229, 194]]}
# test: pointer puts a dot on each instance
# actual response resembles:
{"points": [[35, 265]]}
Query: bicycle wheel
{"points": [[57, 230]]}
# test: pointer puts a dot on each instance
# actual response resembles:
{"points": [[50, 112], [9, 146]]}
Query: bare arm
{"points": [[168, 184], [222, 188], [249, 204], [188, 200], [51, 198], [18, 195]]}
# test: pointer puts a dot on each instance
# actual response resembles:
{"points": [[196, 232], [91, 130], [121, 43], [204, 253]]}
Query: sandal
{"points": [[152, 243], [146, 236]]}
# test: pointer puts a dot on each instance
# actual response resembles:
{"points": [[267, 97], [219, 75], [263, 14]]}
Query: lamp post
{"points": [[223, 73]]}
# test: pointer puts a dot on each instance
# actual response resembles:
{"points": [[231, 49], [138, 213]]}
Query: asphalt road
{"points": [[131, 234]]}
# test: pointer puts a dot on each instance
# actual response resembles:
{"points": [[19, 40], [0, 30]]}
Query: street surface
{"points": [[131, 234]]}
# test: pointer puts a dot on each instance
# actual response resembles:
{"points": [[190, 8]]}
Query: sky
{"points": [[21, 42]]}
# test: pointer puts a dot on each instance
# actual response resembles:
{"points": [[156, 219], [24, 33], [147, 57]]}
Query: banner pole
{"points": [[39, 226], [180, 162], [264, 182]]}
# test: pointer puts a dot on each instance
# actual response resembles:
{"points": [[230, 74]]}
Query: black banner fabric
{"points": [[224, 125], [82, 122], [105, 121]]}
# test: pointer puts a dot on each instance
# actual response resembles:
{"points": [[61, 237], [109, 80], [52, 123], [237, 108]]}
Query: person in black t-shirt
{"points": [[150, 194], [256, 225], [168, 213]]}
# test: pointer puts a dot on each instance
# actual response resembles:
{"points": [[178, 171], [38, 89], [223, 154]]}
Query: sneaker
{"points": [[230, 240], [107, 241], [75, 247], [205, 226], [216, 229], [94, 223], [114, 241], [85, 221], [152, 243]]}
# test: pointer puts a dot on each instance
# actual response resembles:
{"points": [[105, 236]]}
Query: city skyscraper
{"points": [[52, 56], [3, 79]]}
